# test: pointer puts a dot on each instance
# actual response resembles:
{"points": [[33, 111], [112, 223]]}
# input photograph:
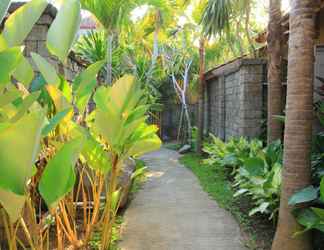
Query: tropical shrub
{"points": [[311, 217], [256, 171]]}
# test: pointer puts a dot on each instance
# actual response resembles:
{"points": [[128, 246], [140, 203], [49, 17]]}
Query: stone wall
{"points": [[235, 99]]}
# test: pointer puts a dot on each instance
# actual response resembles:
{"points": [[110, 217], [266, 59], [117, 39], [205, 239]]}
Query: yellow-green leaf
{"points": [[59, 177], [144, 146], [24, 72], [63, 30], [9, 60], [12, 203], [19, 145], [20, 23], [46, 69]]}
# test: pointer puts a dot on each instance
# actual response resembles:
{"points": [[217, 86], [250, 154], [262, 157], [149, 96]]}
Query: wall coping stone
{"points": [[232, 67]]}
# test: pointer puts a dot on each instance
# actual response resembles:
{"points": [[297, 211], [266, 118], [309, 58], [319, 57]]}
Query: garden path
{"points": [[172, 212]]}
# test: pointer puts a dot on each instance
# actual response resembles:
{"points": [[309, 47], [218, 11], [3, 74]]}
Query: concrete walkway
{"points": [[172, 212]]}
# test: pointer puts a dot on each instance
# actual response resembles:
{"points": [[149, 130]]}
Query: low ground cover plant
{"points": [[255, 171]]}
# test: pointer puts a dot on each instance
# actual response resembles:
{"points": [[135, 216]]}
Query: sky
{"points": [[261, 14]]}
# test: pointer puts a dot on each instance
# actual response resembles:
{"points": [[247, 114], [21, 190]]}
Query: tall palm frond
{"points": [[110, 13], [216, 16]]}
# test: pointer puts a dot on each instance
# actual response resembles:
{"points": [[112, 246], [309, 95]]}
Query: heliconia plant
{"points": [[50, 142]]}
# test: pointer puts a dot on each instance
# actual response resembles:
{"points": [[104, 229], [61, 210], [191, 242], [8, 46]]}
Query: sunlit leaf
{"points": [[9, 60], [96, 157], [88, 75], [55, 121], [9, 96], [68, 19], [20, 23], [143, 146], [12, 203], [24, 72], [19, 144], [59, 177], [25, 105], [46, 69]]}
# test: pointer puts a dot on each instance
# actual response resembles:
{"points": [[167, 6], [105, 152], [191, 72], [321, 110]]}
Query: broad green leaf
{"points": [[121, 92], [319, 212], [68, 20], [4, 5], [322, 190], [24, 72], [96, 157], [307, 218], [46, 69], [55, 121], [60, 102], [25, 105], [9, 60], [3, 43], [19, 145], [20, 23], [254, 166], [305, 195], [139, 172], [87, 76], [83, 95], [12, 203], [107, 124], [66, 90], [59, 177], [9, 96], [101, 97], [260, 209], [144, 146], [240, 192], [84, 85]]}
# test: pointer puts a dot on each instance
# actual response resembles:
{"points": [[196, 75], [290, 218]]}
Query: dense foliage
{"points": [[256, 171]]}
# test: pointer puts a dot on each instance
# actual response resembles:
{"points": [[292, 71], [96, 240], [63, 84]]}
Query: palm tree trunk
{"points": [[274, 72], [201, 94], [109, 58], [299, 118]]}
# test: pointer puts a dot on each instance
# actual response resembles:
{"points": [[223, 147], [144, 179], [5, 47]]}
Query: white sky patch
{"points": [[139, 12]]}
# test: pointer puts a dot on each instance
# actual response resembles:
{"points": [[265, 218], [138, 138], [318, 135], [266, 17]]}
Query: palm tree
{"points": [[201, 95], [274, 71], [299, 117], [220, 16], [111, 14]]}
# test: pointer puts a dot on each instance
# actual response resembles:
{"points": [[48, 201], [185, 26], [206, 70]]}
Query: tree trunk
{"points": [[109, 59], [275, 127], [201, 94], [299, 118]]}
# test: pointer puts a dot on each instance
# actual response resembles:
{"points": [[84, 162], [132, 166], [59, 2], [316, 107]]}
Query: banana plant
{"points": [[120, 121]]}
